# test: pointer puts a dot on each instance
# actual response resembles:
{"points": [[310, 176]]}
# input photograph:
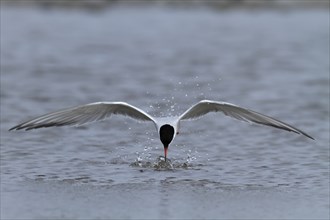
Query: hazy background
{"points": [[163, 56]]}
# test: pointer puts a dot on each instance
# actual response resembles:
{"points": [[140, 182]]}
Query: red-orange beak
{"points": [[165, 152]]}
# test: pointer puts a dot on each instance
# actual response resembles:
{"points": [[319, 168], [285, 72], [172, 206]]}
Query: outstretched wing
{"points": [[234, 111], [84, 114]]}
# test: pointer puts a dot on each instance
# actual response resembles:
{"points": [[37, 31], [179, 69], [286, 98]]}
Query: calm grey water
{"points": [[163, 60]]}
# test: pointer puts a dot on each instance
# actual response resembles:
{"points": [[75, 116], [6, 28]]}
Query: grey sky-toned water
{"points": [[163, 60]]}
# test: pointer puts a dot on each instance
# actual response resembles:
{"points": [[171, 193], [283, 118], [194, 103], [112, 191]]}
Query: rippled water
{"points": [[164, 60]]}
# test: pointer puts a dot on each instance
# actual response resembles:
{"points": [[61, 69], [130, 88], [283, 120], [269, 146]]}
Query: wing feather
{"points": [[234, 111], [84, 114]]}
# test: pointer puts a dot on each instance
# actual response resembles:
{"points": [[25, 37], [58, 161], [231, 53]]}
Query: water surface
{"points": [[164, 60]]}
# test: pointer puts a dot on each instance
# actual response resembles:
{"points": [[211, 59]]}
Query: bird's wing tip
{"points": [[13, 128], [310, 137]]}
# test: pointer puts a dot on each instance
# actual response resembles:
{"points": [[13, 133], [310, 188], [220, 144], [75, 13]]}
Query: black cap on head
{"points": [[166, 133]]}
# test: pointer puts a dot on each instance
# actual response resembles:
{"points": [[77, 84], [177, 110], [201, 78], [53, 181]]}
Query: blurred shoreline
{"points": [[214, 4]]}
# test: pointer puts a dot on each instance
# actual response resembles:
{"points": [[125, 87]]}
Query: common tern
{"points": [[166, 128]]}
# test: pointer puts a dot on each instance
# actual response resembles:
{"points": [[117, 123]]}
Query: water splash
{"points": [[161, 165]]}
